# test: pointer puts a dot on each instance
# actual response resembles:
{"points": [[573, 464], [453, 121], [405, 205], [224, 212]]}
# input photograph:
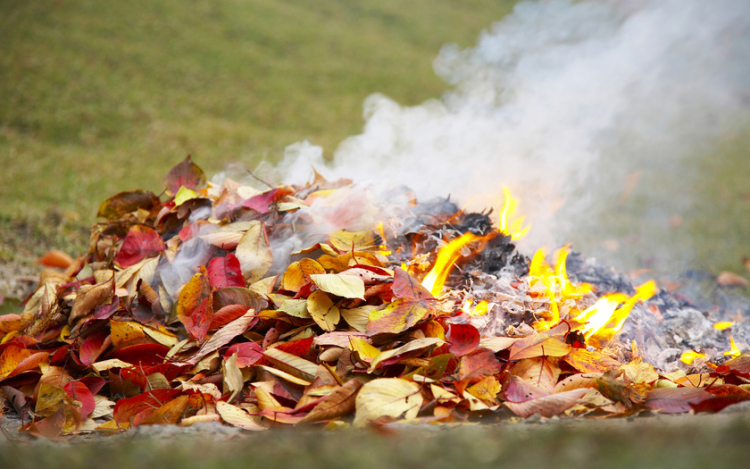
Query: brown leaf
{"points": [[127, 202], [479, 364], [89, 297], [540, 371], [239, 418], [547, 406], [339, 403], [407, 287], [730, 279]]}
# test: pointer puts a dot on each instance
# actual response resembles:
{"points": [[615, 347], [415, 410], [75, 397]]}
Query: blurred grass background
{"points": [[100, 97]]}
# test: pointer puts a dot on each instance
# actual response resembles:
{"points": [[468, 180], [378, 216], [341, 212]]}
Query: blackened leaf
{"points": [[186, 174]]}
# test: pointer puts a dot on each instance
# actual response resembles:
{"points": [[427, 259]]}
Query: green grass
{"points": [[100, 97]]}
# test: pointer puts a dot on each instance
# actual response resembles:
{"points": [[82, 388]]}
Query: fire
{"points": [[604, 318], [383, 248], [479, 310], [514, 229], [447, 256], [690, 356], [724, 325], [734, 351]]}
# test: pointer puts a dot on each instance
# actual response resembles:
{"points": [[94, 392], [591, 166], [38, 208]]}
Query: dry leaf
{"points": [[387, 397], [345, 286]]}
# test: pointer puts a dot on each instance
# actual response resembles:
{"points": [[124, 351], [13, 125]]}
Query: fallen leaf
{"points": [[323, 311], [730, 279], [292, 364], [346, 241], [463, 339], [590, 362], [225, 272], [55, 258], [397, 317], [345, 286], [407, 287], [185, 174], [126, 202], [417, 344], [479, 364], [233, 415], [547, 406], [675, 400], [339, 403], [169, 413], [223, 336], [254, 253], [387, 397], [140, 243]]}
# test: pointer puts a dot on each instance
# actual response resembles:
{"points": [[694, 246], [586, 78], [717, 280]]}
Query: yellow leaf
{"points": [[410, 347], [346, 241], [396, 317], [387, 397], [49, 399], [254, 253], [638, 372], [365, 351], [296, 308], [126, 333], [233, 381], [292, 364], [237, 417], [357, 317], [323, 311], [285, 376], [345, 286], [183, 195], [486, 390]]}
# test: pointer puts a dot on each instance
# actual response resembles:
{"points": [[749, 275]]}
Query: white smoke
{"points": [[559, 101]]}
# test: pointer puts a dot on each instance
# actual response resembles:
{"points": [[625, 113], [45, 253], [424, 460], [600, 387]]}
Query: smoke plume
{"points": [[570, 105]]}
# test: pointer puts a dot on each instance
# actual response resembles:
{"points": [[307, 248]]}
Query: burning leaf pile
{"points": [[304, 305]]}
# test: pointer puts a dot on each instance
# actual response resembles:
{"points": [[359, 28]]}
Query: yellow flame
{"points": [[481, 308], [690, 356], [734, 351], [383, 248], [605, 318], [515, 229], [446, 257], [724, 325]]}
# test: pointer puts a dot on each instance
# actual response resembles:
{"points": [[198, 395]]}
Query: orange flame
{"points": [[514, 229], [383, 248], [447, 256]]}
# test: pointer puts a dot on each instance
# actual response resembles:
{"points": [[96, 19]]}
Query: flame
{"points": [[383, 248], [605, 318], [724, 325], [557, 286], [690, 356], [447, 256], [514, 228], [479, 310], [734, 351]]}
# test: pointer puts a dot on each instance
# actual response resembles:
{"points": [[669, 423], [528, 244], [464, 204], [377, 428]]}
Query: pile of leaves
{"points": [[341, 335]]}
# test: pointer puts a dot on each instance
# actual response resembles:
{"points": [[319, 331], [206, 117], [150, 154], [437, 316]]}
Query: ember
{"points": [[312, 305]]}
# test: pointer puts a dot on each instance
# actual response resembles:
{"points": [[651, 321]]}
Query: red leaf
{"points": [[81, 393], [476, 366], [139, 375], [261, 202], [93, 346], [226, 315], [125, 409], [248, 353], [186, 174], [675, 400], [142, 354], [225, 272], [463, 339], [296, 347], [140, 243], [717, 403], [519, 391], [407, 287]]}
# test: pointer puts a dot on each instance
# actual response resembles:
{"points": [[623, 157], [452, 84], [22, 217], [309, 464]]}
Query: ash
{"points": [[663, 327]]}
